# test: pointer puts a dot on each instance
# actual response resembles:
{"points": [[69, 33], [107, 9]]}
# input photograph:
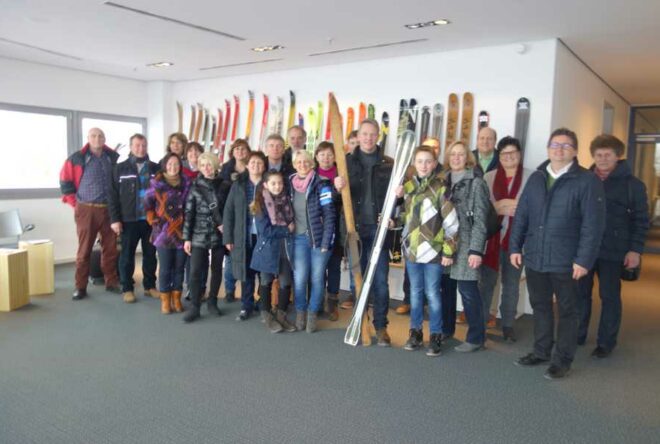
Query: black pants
{"points": [[132, 233], [448, 296], [541, 287], [199, 261], [609, 288]]}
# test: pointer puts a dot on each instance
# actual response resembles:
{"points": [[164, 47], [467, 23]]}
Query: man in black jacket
{"points": [[128, 217], [559, 220], [369, 175], [626, 225], [486, 154]]}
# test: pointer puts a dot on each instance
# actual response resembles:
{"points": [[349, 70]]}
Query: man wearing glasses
{"points": [[558, 225]]}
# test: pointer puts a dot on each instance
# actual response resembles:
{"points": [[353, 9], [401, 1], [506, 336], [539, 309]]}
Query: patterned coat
{"points": [[471, 235], [165, 208], [430, 221]]}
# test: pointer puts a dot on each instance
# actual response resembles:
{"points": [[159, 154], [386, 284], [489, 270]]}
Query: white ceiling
{"points": [[617, 39]]}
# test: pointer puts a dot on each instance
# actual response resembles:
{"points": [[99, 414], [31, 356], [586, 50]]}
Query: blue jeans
{"points": [[170, 273], [380, 288], [425, 281], [308, 261], [474, 312], [230, 282], [510, 289]]}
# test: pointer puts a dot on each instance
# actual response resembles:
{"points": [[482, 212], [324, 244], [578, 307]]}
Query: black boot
{"points": [[434, 345], [212, 306], [283, 296], [192, 314], [415, 340]]}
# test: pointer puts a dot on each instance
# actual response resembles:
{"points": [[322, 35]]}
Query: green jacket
{"points": [[430, 221]]}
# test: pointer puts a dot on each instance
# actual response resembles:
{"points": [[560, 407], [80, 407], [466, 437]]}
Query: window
{"points": [[37, 141]]}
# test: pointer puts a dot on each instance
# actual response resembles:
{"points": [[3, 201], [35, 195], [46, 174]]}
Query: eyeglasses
{"points": [[509, 154], [563, 146]]}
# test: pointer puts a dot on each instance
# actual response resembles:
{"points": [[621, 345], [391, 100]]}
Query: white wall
{"points": [[579, 96], [497, 76], [41, 85]]}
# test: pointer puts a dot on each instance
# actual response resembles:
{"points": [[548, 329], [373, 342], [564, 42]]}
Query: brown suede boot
{"points": [[165, 306], [333, 306], [176, 301]]}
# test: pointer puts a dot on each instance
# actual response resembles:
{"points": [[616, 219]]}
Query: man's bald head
{"points": [[96, 139]]}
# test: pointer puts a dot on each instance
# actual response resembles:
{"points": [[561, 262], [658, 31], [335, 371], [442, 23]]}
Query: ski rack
{"points": [[402, 158]]}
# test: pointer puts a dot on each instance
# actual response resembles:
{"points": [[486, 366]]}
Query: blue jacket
{"points": [[627, 222], [321, 214], [266, 253], [562, 225]]}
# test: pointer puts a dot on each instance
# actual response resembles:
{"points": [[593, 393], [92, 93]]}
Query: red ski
{"points": [[264, 125], [225, 128]]}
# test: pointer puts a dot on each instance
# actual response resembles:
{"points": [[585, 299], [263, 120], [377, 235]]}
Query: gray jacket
{"points": [[235, 226], [471, 236]]}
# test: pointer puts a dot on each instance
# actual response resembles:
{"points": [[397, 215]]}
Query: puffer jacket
{"points": [[563, 225], [201, 223], [321, 214], [267, 251], [380, 179], [73, 170], [627, 221], [430, 221], [471, 234], [165, 208]]}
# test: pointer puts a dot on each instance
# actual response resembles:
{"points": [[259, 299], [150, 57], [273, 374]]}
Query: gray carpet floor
{"points": [[101, 371]]}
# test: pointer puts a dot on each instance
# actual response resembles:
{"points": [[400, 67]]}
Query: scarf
{"points": [[300, 184], [502, 191], [278, 207], [173, 181], [330, 174]]}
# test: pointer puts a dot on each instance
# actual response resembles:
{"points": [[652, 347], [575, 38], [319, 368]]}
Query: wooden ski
{"points": [[467, 114], [352, 238], [200, 121], [179, 114], [452, 120], [264, 125], [237, 107], [193, 119], [327, 122], [362, 113], [250, 116]]}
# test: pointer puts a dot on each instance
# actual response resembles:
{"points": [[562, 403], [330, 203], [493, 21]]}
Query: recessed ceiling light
{"points": [[427, 24], [160, 64], [267, 48]]}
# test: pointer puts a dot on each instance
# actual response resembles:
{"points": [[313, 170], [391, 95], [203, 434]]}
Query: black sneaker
{"points": [[113, 289], [191, 315], [415, 340], [434, 345], [508, 335], [230, 297], [530, 360], [244, 315], [80, 293], [556, 372], [600, 352], [213, 308]]}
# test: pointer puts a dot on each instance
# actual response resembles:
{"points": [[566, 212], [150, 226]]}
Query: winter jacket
{"points": [[266, 254], [479, 172], [73, 170], [165, 207], [430, 222], [234, 221], [380, 179], [562, 225], [202, 221], [321, 214], [228, 171], [471, 231], [627, 221], [125, 189]]}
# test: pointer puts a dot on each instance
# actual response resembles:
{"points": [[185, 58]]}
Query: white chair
{"points": [[11, 228]]}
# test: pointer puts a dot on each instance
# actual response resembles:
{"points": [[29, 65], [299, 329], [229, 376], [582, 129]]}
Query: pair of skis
{"points": [[359, 325]]}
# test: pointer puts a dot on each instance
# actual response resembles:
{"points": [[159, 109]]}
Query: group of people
{"points": [[278, 216]]}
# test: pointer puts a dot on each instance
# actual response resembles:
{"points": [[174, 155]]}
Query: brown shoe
{"points": [[176, 302], [383, 337], [152, 292], [165, 305], [460, 319], [333, 310], [347, 305], [129, 297], [403, 309], [492, 322]]}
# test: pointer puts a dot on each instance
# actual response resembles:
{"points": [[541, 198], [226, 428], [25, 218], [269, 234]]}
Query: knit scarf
{"points": [[330, 173], [502, 191], [279, 208], [172, 180], [300, 184]]}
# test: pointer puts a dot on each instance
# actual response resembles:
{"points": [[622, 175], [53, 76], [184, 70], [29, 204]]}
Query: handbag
{"points": [[493, 225], [631, 274]]}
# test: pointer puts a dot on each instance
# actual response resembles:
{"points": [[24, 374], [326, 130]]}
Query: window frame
{"points": [[75, 141]]}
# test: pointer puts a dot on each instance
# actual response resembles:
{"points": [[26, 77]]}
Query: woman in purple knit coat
{"points": [[165, 204]]}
